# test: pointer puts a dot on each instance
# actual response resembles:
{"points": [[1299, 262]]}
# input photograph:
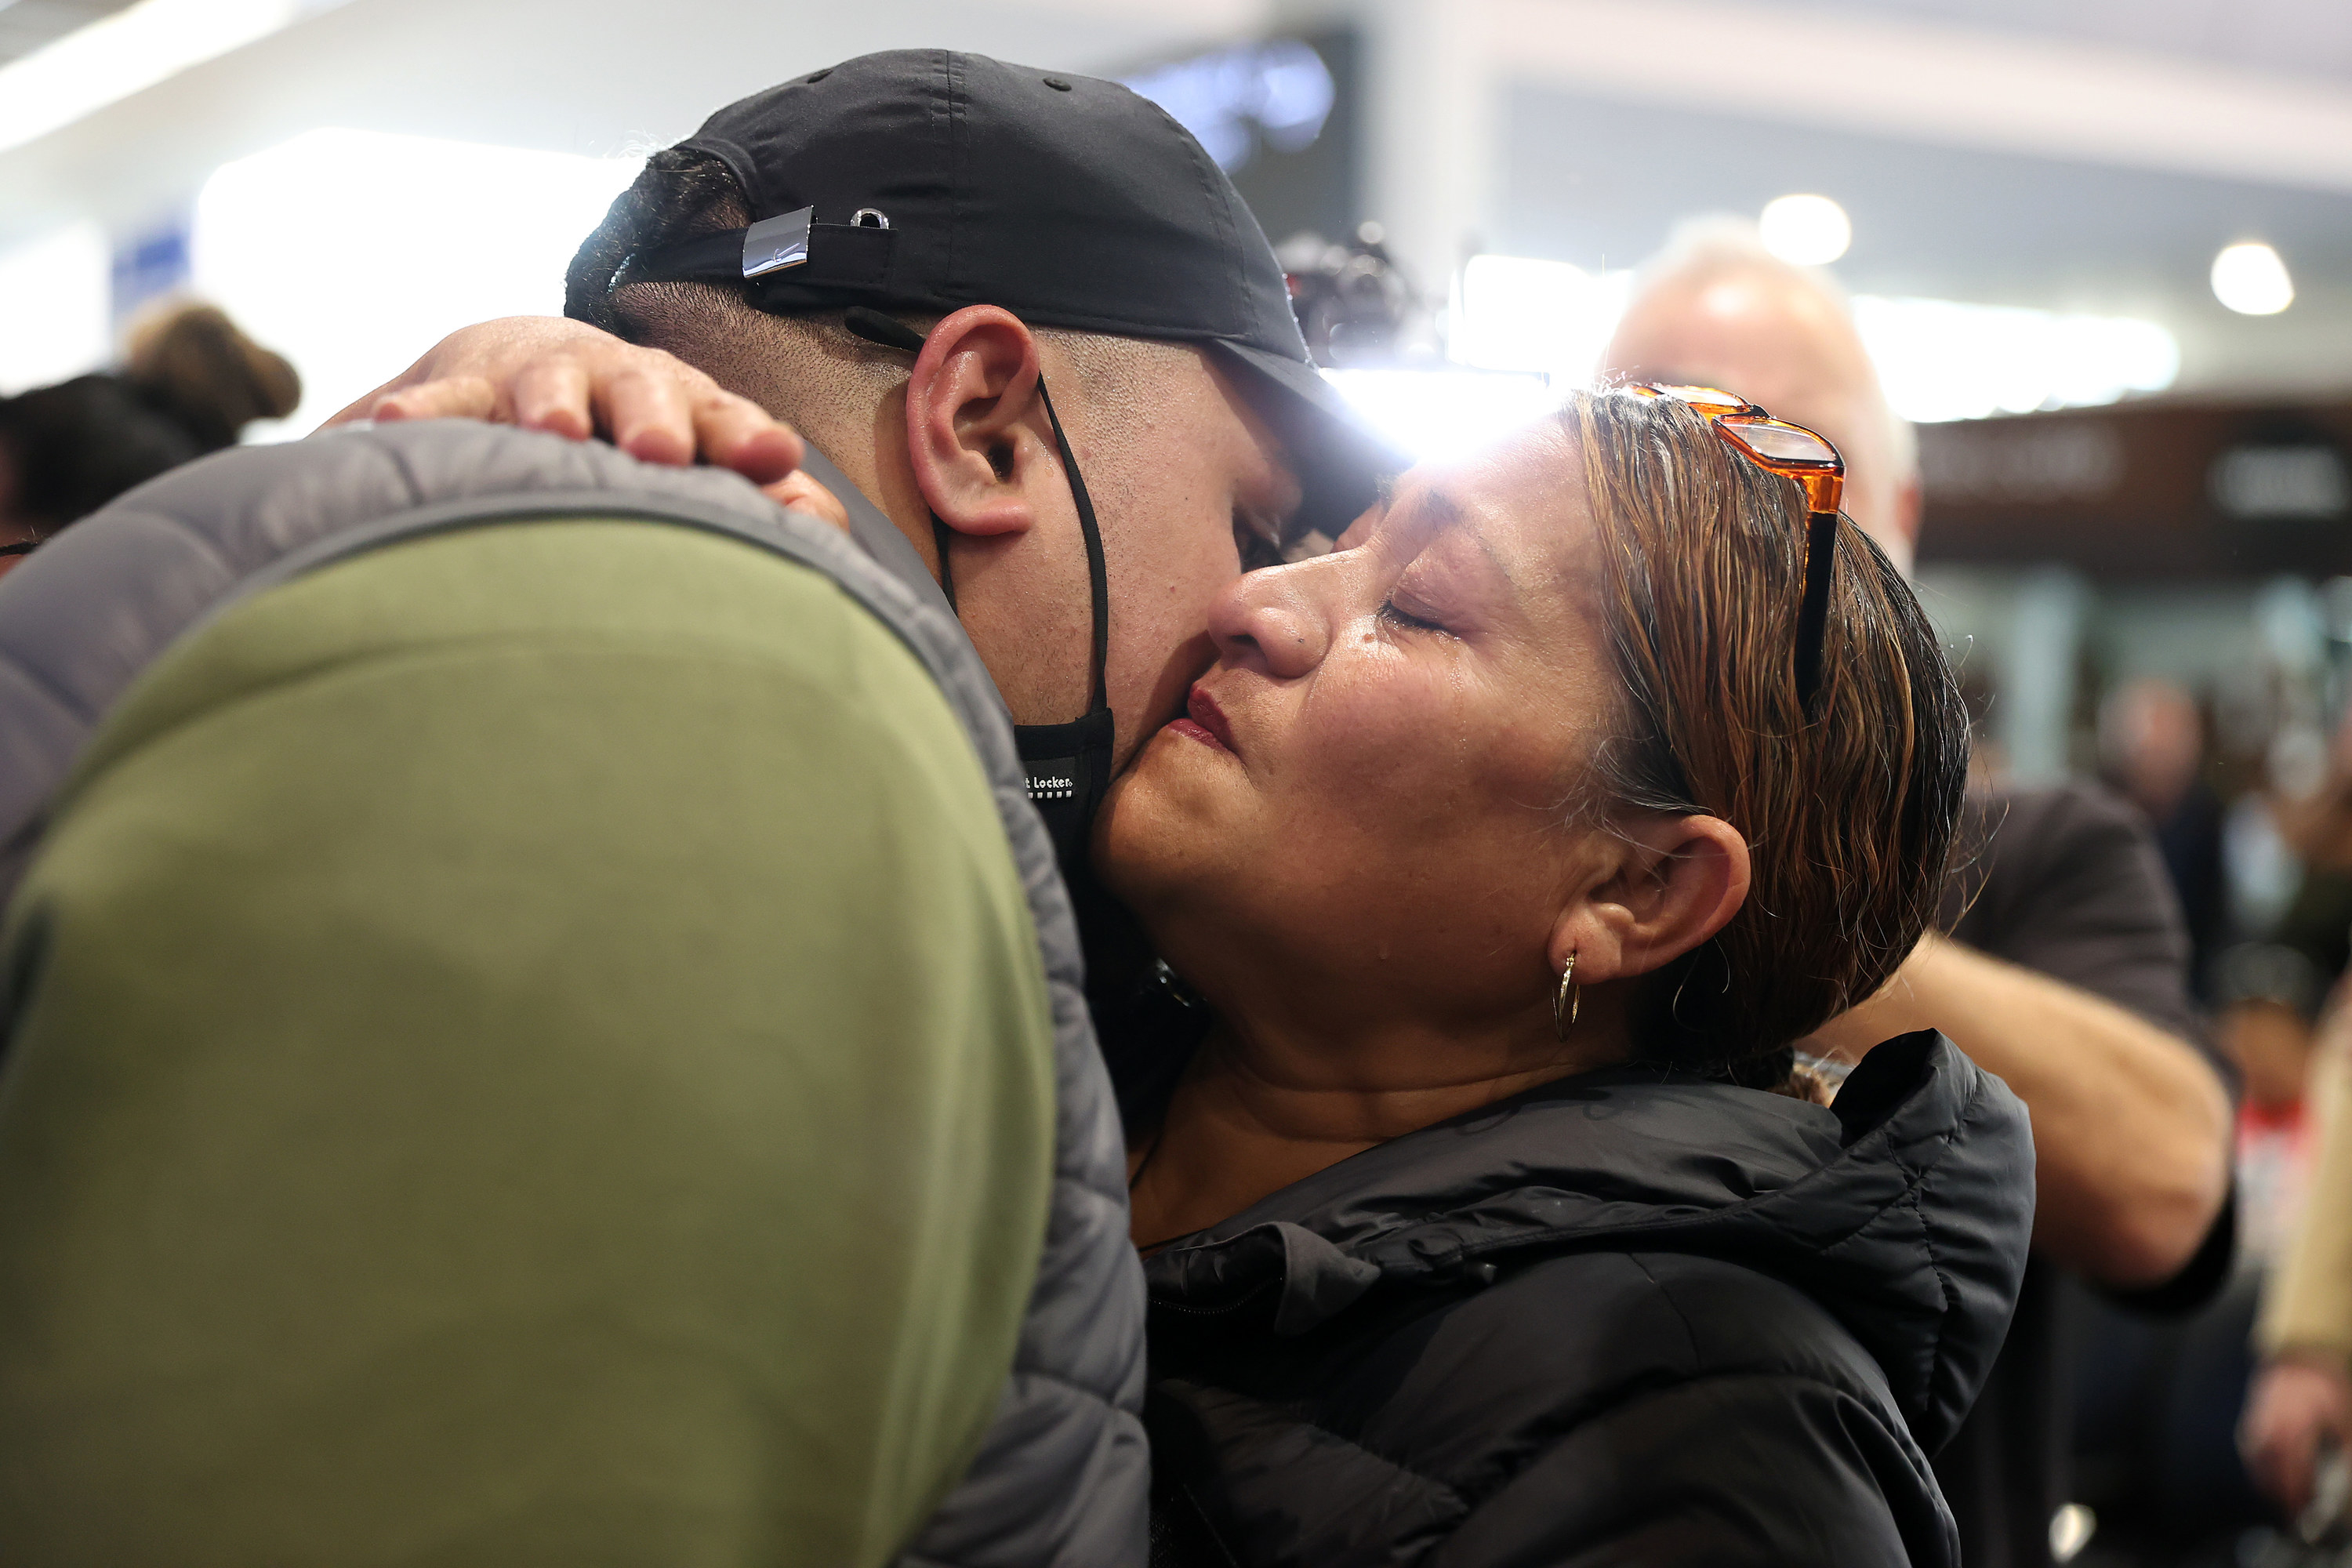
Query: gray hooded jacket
{"points": [[1061, 1476]]}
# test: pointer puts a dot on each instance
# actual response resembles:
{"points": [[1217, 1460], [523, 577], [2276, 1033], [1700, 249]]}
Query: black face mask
{"points": [[1069, 773], [1069, 764]]}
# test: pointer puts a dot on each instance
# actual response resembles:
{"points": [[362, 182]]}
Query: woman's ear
{"points": [[1666, 884], [973, 418]]}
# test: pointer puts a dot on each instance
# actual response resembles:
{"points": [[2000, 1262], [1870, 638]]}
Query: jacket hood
{"points": [[1904, 1210]]}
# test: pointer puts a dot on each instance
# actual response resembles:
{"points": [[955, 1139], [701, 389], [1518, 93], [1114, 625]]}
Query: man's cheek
{"points": [[1154, 664]]}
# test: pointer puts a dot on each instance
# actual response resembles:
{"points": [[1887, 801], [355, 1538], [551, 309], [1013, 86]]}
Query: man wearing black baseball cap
{"points": [[925, 181], [1041, 364], [1040, 352]]}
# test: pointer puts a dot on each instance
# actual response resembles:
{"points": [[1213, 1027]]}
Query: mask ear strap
{"points": [[1098, 576]]}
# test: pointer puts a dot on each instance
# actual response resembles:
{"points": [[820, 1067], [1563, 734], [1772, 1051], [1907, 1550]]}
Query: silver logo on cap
{"points": [[775, 243]]}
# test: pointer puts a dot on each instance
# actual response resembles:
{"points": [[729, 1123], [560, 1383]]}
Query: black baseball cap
{"points": [[925, 180]]}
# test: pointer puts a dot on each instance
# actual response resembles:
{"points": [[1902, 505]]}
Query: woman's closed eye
{"points": [[1396, 614]]}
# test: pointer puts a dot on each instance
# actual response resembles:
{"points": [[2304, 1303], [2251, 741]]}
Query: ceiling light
{"points": [[117, 56], [2251, 280], [1806, 231], [1942, 358]]}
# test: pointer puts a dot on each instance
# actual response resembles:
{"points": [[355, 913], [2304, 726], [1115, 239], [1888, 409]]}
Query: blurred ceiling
{"points": [[1895, 70], [26, 25], [2298, 38], [1589, 180], [603, 78], [2066, 154], [2087, 154]]}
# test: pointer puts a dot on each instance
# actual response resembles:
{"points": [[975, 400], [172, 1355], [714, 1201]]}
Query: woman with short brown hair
{"points": [[1511, 846]]}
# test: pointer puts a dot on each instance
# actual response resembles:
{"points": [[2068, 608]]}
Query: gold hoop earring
{"points": [[1565, 1000]]}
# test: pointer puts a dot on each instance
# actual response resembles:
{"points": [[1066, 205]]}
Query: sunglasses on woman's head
{"points": [[1796, 453]]}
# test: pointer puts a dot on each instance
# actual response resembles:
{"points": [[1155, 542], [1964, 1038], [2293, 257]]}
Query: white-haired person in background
{"points": [[2061, 961]]}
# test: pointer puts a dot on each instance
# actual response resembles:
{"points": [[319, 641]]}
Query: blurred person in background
{"points": [[2314, 824], [2275, 992], [2063, 970], [2152, 750], [2301, 1403], [190, 384], [2267, 995]]}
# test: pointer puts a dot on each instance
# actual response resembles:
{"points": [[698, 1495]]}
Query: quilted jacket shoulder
{"points": [[1060, 1478]]}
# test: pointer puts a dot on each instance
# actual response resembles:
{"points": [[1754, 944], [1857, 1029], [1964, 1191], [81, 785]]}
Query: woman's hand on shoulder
{"points": [[570, 379]]}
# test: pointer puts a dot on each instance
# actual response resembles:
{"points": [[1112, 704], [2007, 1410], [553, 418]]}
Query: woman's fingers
{"points": [[553, 394], [735, 433], [470, 373], [645, 414], [572, 380], [458, 397], [361, 408]]}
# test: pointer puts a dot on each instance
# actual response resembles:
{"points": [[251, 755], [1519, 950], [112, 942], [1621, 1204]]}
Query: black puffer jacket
{"points": [[1624, 1319]]}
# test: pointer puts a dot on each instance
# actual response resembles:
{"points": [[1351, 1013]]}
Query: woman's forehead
{"points": [[1521, 501]]}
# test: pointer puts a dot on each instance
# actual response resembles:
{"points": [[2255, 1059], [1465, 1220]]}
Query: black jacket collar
{"points": [[1905, 1210]]}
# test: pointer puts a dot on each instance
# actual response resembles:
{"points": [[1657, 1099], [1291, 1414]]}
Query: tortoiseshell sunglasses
{"points": [[1796, 453]]}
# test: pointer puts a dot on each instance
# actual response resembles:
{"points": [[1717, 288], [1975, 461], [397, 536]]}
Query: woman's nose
{"points": [[1270, 620]]}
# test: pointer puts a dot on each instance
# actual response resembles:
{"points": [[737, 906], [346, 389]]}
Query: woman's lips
{"points": [[1186, 727], [1204, 722]]}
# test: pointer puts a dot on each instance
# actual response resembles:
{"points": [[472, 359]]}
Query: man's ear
{"points": [[974, 422], [1665, 885]]}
